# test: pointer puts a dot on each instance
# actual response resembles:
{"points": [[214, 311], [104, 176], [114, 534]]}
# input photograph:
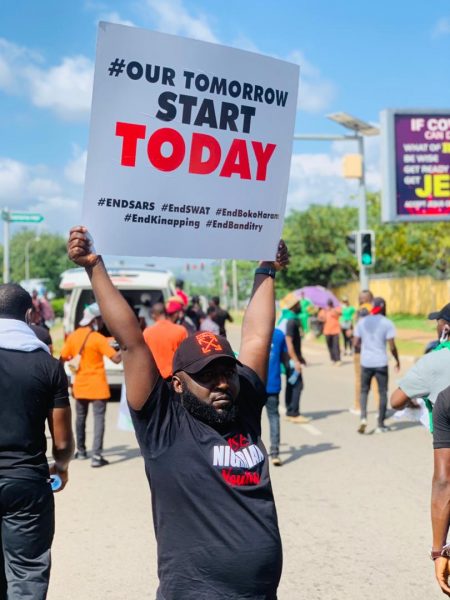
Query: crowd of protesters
{"points": [[179, 366]]}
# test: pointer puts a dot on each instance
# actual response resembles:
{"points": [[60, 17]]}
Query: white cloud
{"points": [[172, 17], [13, 60], [14, 179], [316, 92], [32, 188], [66, 88], [441, 28], [318, 178], [40, 187], [114, 17], [76, 168]]}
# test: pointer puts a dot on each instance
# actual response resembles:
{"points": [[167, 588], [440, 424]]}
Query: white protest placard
{"points": [[189, 149]]}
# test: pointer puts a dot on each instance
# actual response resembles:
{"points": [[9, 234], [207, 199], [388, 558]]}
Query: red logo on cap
{"points": [[208, 342]]}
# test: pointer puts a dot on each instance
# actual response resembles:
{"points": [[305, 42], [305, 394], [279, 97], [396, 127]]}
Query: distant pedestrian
{"points": [[36, 314], [346, 323], [47, 312], [164, 337], [179, 291], [307, 307], [372, 333], [195, 312], [221, 315], [278, 356], [208, 323], [365, 300], [145, 310], [290, 325], [43, 334], [90, 386], [331, 330], [33, 391]]}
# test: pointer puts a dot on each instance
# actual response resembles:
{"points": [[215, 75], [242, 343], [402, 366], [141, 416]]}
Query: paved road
{"points": [[353, 510]]}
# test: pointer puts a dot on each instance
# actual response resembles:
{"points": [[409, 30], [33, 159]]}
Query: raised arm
{"points": [[259, 318], [141, 372]]}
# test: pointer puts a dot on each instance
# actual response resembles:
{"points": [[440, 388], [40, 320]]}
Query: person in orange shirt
{"points": [[332, 330], [90, 384], [164, 337]]}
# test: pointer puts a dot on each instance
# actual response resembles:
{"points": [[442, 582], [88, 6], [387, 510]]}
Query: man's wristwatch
{"points": [[270, 271]]}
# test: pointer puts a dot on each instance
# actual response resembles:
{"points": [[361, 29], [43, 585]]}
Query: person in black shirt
{"points": [[33, 390], [294, 380], [440, 491], [220, 315], [200, 435]]}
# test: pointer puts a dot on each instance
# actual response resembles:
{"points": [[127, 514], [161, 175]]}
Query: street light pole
{"points": [[27, 256], [5, 217], [362, 212]]}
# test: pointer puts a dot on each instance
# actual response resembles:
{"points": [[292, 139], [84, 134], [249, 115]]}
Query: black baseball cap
{"points": [[198, 350], [444, 313]]}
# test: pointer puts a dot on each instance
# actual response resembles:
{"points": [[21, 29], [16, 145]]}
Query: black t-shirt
{"points": [[220, 316], [31, 383], [293, 331], [441, 420], [213, 508]]}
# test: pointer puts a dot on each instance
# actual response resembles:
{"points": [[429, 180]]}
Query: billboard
{"points": [[415, 165]]}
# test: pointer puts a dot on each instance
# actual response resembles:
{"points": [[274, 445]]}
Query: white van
{"points": [[132, 283]]}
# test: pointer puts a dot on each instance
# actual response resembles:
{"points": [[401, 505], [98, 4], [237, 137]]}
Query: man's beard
{"points": [[206, 412]]}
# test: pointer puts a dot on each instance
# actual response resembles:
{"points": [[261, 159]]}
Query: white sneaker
{"points": [[383, 429]]}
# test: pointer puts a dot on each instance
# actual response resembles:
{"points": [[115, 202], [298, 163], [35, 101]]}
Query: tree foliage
{"points": [[403, 248], [316, 239], [319, 255], [47, 257]]}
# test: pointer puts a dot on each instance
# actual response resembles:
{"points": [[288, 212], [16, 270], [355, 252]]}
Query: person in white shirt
{"points": [[371, 335]]}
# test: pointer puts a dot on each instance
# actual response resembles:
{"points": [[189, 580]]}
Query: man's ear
{"points": [[28, 316], [177, 384]]}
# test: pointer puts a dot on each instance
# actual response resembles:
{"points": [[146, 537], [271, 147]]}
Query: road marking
{"points": [[311, 429]]}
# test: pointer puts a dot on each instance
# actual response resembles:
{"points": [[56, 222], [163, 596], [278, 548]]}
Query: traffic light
{"points": [[352, 242], [367, 256]]}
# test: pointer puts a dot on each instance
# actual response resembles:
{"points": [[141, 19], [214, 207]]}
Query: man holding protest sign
{"points": [[200, 436]]}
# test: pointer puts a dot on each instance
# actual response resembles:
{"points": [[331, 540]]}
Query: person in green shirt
{"points": [[346, 323], [305, 313]]}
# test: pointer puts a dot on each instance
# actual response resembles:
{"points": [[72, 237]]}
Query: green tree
{"points": [[316, 239], [403, 248], [47, 257]]}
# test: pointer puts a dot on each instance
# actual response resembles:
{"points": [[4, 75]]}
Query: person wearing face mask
{"points": [[90, 385]]}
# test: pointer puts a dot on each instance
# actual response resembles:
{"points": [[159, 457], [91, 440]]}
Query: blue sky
{"points": [[355, 57]]}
